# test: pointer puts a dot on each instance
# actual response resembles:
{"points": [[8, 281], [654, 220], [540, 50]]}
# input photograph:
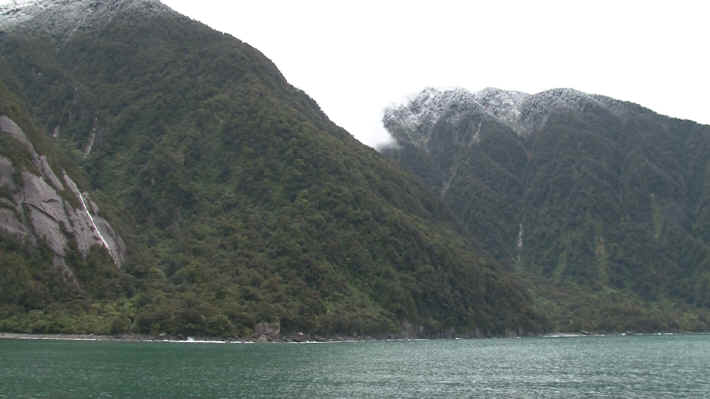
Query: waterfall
{"points": [[96, 228]]}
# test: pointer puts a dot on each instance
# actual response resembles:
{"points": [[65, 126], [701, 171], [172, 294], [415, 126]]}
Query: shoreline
{"points": [[182, 340], [284, 340]]}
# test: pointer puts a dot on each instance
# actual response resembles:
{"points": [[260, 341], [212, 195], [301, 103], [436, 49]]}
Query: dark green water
{"points": [[584, 367]]}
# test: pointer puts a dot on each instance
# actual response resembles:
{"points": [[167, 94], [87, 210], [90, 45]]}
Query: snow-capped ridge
{"points": [[61, 18], [504, 105], [425, 109], [523, 113]]}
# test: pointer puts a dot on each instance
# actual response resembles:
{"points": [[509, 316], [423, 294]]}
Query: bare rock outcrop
{"points": [[266, 331], [37, 206]]}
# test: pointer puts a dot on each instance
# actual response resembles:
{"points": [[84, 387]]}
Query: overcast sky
{"points": [[355, 58]]}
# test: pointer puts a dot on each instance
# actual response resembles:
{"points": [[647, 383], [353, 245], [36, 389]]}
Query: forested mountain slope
{"points": [[601, 204], [239, 201]]}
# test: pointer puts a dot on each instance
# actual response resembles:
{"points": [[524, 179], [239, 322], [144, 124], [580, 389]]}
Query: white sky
{"points": [[357, 57]]}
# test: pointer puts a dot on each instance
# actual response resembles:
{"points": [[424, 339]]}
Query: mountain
{"points": [[244, 210], [601, 205]]}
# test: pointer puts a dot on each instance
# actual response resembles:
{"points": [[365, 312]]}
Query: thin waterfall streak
{"points": [[96, 228]]}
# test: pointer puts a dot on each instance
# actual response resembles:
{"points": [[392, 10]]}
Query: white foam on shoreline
{"points": [[563, 335], [54, 339], [189, 341]]}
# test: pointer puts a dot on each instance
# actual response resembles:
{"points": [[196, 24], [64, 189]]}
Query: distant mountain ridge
{"points": [[523, 113], [580, 189]]}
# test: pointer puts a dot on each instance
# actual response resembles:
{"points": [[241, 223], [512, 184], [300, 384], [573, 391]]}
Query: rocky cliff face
{"points": [[39, 205]]}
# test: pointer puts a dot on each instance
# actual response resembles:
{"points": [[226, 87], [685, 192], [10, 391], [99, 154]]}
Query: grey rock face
{"points": [[48, 173], [267, 331], [38, 208], [48, 229], [93, 230], [9, 126], [10, 224], [9, 221], [7, 172], [39, 195], [117, 248]]}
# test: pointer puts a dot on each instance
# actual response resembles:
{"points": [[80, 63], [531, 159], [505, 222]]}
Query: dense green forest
{"points": [[240, 202], [601, 211]]}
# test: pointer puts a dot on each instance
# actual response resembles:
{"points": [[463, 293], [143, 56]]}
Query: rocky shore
{"points": [[297, 338]]}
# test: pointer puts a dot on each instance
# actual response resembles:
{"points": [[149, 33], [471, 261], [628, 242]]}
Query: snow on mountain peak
{"points": [[415, 119], [16, 3], [62, 17], [13, 12], [523, 113], [503, 105]]}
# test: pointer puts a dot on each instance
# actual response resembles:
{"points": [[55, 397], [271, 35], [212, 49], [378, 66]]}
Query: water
{"points": [[583, 367]]}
